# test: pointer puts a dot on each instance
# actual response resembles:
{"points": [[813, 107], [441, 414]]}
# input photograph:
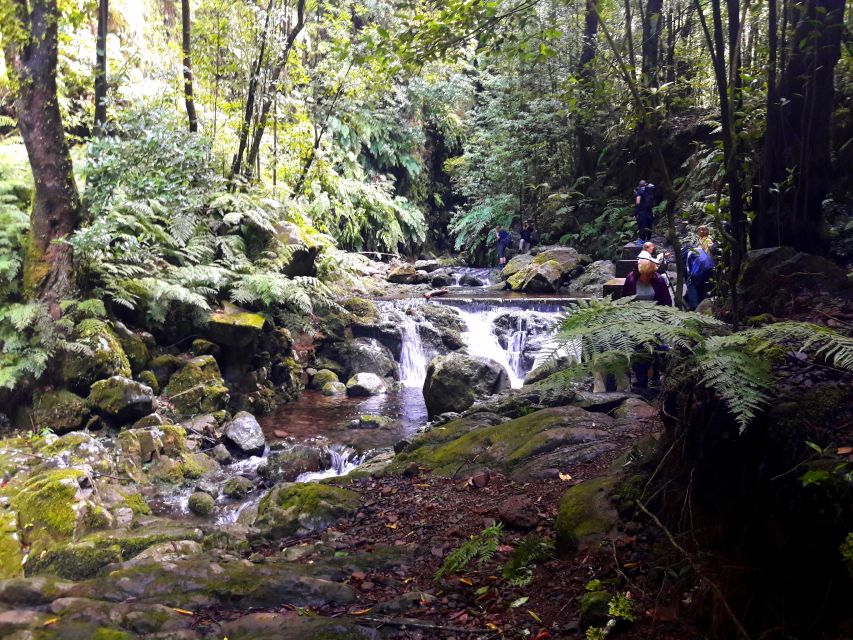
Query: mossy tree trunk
{"points": [[101, 69], [188, 65], [30, 36]]}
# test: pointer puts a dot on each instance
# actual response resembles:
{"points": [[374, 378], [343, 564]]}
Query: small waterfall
{"points": [[515, 346], [483, 341], [413, 361], [344, 459]]}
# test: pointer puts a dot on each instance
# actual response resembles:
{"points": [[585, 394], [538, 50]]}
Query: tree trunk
{"points": [[652, 25], [629, 36], [56, 204], [273, 88], [237, 163], [188, 66], [799, 148], [586, 75], [101, 69]]}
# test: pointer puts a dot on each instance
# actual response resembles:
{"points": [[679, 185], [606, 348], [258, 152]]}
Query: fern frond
{"points": [[480, 547]]}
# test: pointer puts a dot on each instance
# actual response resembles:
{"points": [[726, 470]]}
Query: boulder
{"points": [[244, 434], [201, 503], [453, 382], [322, 377], [134, 347], [365, 355], [591, 281], [163, 366], [770, 277], [148, 377], [544, 277], [519, 512], [105, 357], [467, 280], [364, 312], [121, 399], [334, 389], [237, 487], [585, 514], [300, 509], [288, 464], [374, 422], [441, 280], [233, 326], [61, 411], [407, 274], [427, 265], [202, 347], [518, 263], [365, 384], [197, 387]]}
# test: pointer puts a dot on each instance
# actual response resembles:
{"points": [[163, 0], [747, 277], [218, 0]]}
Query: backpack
{"points": [[698, 263], [647, 196]]}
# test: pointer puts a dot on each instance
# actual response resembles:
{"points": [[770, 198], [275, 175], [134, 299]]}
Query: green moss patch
{"points": [[585, 511], [299, 509]]}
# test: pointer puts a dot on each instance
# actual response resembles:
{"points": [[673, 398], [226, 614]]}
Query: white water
{"points": [[413, 360], [482, 340], [344, 460]]}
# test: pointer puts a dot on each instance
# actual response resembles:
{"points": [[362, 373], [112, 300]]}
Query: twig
{"points": [[711, 584], [395, 622]]}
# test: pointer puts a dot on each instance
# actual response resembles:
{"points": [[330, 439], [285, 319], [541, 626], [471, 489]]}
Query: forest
{"points": [[404, 319]]}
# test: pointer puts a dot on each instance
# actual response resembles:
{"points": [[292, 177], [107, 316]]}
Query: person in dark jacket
{"points": [[646, 283], [644, 202], [503, 240], [526, 238]]}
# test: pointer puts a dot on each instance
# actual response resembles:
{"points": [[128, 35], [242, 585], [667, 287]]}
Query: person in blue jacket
{"points": [[503, 240]]}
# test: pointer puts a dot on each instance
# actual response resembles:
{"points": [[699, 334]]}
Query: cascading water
{"points": [[343, 460], [413, 360]]}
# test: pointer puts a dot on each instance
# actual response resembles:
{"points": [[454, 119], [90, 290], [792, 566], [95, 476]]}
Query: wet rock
{"points": [[221, 454], [365, 384], [374, 422], [519, 512], [441, 280], [287, 464], [201, 503], [322, 377], [455, 381], [277, 626], [61, 411], [197, 387], [591, 281], [407, 274], [121, 399], [334, 389], [105, 357], [365, 355], [364, 312], [161, 553], [238, 487], [20, 619], [427, 265], [233, 326], [299, 509], [467, 280], [543, 277], [245, 434]]}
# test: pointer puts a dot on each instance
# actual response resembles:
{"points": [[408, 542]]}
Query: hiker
{"points": [[648, 253], [644, 201], [706, 242], [699, 266], [646, 283], [526, 237], [503, 239]]}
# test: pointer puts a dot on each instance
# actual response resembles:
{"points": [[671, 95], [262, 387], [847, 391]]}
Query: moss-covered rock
{"points": [[197, 387], [121, 399], [149, 378], [61, 411], [75, 561], [322, 377], [11, 553], [46, 502], [163, 366], [137, 504], [299, 509], [595, 609], [455, 381], [201, 503], [368, 421], [287, 464], [134, 347], [233, 326], [334, 389], [516, 264], [202, 347], [237, 487], [585, 513], [105, 357], [364, 312]]}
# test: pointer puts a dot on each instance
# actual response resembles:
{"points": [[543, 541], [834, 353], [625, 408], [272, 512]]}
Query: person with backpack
{"points": [[644, 202], [699, 266], [526, 237], [503, 240]]}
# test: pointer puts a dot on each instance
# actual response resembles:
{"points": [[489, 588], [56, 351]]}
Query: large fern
{"points": [[480, 547], [737, 367]]}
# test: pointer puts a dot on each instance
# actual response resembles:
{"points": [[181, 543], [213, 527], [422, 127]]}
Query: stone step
{"points": [[624, 267], [613, 288], [631, 250]]}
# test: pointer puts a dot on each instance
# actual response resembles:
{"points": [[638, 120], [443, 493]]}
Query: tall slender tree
{"points": [[186, 24], [586, 75], [101, 68], [652, 27], [30, 36], [799, 139]]}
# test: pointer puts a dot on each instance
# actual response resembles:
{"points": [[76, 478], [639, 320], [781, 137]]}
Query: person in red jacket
{"points": [[646, 283]]}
